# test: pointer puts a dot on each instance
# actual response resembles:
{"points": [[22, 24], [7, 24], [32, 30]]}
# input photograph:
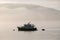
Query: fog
{"points": [[25, 12], [46, 3], [13, 15]]}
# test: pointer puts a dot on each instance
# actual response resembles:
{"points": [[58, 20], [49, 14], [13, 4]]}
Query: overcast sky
{"points": [[26, 12], [47, 3]]}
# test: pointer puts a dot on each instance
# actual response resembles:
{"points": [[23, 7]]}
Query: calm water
{"points": [[52, 31]]}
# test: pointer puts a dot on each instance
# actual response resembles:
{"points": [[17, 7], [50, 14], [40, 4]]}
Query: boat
{"points": [[27, 27], [43, 29]]}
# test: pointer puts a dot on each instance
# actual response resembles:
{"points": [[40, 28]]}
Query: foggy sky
{"points": [[46, 3], [25, 12]]}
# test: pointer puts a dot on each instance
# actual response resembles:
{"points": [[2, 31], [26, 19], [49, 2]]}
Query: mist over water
{"points": [[13, 15]]}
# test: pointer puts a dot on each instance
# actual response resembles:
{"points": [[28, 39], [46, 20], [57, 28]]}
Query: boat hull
{"points": [[26, 29]]}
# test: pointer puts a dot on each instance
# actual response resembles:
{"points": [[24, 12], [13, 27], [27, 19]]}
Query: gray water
{"points": [[52, 31]]}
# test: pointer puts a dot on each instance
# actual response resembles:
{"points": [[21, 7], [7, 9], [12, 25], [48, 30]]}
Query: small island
{"points": [[27, 27]]}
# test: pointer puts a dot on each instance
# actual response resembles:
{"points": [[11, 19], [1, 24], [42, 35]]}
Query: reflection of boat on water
{"points": [[27, 27]]}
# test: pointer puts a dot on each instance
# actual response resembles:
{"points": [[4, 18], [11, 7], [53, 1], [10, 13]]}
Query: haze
{"points": [[13, 15], [46, 3], [25, 12]]}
